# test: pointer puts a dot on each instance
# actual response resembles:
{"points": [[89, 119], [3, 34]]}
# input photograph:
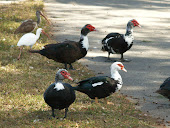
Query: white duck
{"points": [[29, 39]]}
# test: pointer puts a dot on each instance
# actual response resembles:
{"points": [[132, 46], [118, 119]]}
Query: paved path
{"points": [[150, 53]]}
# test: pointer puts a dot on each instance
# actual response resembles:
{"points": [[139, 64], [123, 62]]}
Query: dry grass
{"points": [[23, 82]]}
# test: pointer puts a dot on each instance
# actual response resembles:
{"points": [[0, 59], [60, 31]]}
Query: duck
{"points": [[102, 86], [120, 43], [60, 95], [165, 88], [29, 39], [29, 25], [68, 51]]}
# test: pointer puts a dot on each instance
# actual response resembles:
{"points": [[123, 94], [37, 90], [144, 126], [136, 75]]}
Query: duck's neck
{"points": [[58, 84], [84, 41], [129, 35], [116, 76], [129, 30], [58, 80]]}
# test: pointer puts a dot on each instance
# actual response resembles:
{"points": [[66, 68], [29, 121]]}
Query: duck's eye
{"points": [[121, 66], [88, 26], [63, 73]]}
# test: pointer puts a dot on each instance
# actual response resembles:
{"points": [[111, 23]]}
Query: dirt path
{"points": [[150, 53]]}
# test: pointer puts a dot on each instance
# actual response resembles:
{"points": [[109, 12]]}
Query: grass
{"points": [[23, 82]]}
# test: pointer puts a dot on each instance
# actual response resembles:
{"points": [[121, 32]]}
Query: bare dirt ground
{"points": [[150, 53]]}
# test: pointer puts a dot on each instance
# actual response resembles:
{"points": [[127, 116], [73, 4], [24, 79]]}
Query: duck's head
{"points": [[118, 66], [87, 28], [133, 23], [63, 74]]}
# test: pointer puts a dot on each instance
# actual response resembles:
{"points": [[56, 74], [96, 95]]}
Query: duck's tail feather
{"points": [[34, 51]]}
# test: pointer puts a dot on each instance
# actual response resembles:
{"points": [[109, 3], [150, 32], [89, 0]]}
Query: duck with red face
{"points": [[60, 95], [102, 86], [120, 43], [68, 51]]}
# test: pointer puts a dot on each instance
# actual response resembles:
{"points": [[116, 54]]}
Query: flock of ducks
{"points": [[61, 95]]}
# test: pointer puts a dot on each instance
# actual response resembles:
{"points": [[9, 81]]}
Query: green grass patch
{"points": [[23, 82]]}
